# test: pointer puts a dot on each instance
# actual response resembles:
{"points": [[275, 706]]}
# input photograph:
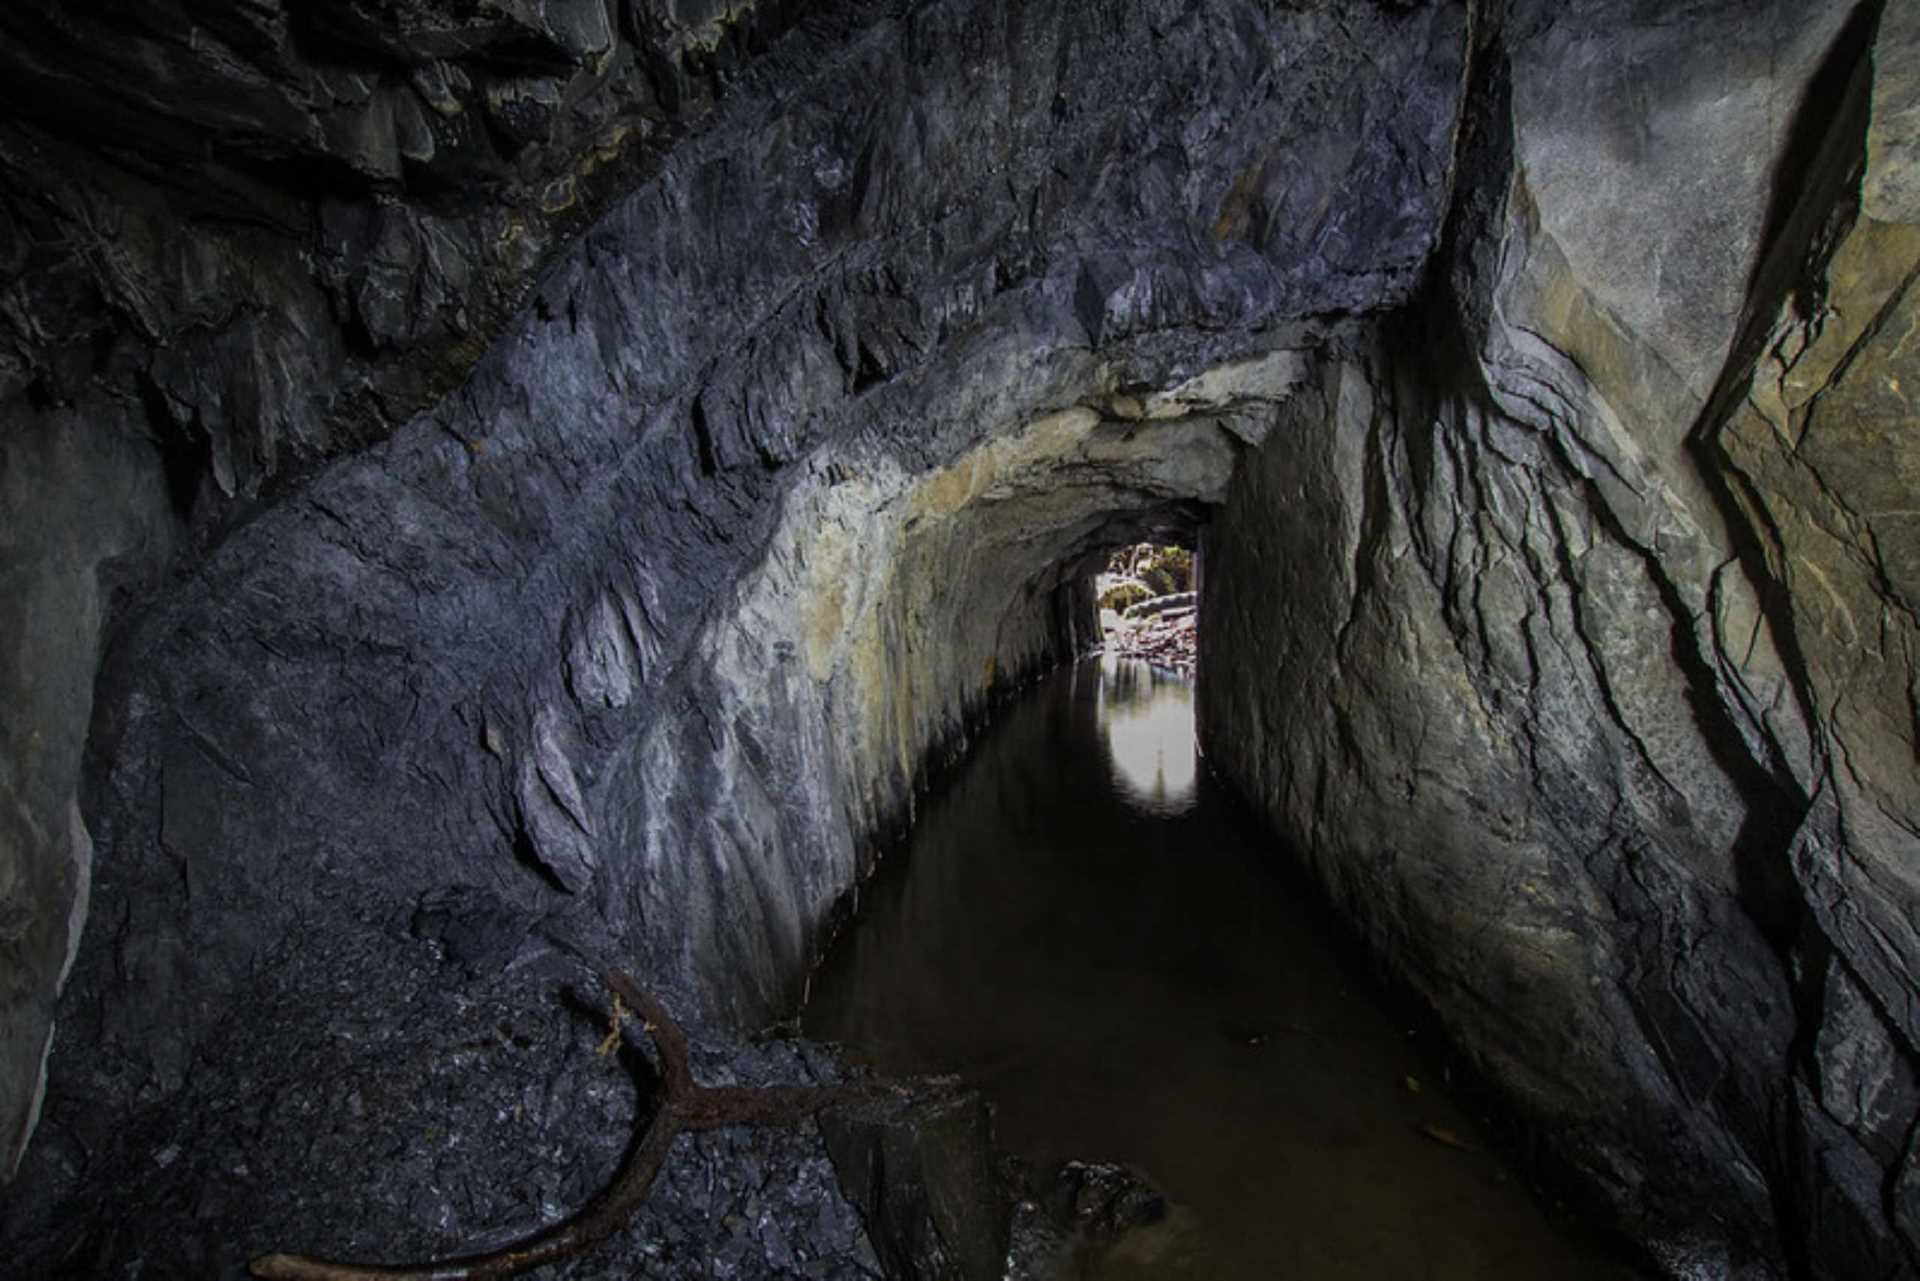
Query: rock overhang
{"points": [[645, 629]]}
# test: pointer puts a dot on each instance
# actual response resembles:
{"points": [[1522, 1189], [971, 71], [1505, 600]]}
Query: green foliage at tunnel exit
{"points": [[1124, 592], [1145, 570]]}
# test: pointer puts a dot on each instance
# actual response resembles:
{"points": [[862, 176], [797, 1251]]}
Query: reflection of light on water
{"points": [[1148, 720]]}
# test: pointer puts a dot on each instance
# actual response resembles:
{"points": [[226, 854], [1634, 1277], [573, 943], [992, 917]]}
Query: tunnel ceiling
{"points": [[493, 487]]}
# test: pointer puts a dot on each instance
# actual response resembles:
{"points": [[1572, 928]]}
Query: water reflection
{"points": [[1146, 716], [1090, 930]]}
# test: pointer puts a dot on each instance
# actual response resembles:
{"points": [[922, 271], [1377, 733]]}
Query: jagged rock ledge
{"points": [[487, 484]]}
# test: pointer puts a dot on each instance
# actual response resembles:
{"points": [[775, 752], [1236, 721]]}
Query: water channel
{"points": [[1089, 928]]}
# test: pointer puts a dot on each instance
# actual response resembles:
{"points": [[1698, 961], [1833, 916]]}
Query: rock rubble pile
{"points": [[1160, 631]]}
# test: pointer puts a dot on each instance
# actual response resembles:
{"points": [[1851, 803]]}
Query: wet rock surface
{"points": [[1063, 1225], [483, 474], [1161, 631], [1083, 927], [470, 484], [925, 1176], [1557, 677], [450, 1118], [462, 1121]]}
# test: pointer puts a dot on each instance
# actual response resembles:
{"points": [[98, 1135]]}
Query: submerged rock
{"points": [[924, 1178], [1097, 1219]]}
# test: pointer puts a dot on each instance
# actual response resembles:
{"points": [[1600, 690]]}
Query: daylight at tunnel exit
{"points": [[965, 639]]}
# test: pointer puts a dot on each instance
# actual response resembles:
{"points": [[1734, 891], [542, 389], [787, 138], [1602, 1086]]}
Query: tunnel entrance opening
{"points": [[1149, 604]]}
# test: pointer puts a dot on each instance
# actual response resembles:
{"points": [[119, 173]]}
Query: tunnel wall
{"points": [[1554, 634], [474, 377], [1398, 672], [890, 610], [544, 482]]}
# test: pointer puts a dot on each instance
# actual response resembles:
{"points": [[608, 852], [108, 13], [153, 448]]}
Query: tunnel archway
{"points": [[492, 490]]}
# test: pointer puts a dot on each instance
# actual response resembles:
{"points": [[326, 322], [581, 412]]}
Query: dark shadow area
{"points": [[1088, 927]]}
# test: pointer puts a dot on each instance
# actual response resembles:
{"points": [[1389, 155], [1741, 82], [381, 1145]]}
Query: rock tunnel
{"points": [[494, 490]]}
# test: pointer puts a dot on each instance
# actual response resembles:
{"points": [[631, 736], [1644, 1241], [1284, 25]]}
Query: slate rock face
{"points": [[925, 1179], [492, 490], [1817, 448], [607, 461], [1575, 714]]}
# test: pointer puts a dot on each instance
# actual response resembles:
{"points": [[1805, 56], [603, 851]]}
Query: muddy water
{"points": [[1088, 928]]}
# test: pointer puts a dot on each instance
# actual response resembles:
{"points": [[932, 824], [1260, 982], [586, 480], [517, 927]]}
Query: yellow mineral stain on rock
{"points": [[1841, 612], [824, 620], [1049, 437], [872, 571], [947, 491], [1270, 377], [830, 564]]}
